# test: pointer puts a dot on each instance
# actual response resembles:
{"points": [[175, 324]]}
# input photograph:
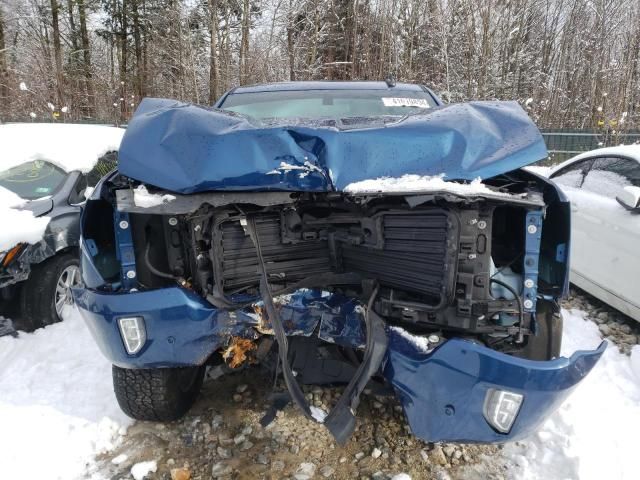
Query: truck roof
{"points": [[327, 85]]}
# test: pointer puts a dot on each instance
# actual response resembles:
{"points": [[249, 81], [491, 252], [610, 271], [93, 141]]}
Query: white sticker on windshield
{"points": [[405, 102]]}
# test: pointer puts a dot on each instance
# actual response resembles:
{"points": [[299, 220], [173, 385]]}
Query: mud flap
{"points": [[341, 420]]}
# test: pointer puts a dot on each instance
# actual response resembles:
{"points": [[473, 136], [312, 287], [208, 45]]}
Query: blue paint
{"points": [[561, 253], [125, 252], [533, 237], [442, 392], [90, 275], [182, 329], [186, 148], [198, 328]]}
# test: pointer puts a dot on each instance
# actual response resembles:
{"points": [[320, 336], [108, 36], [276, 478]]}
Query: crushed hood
{"points": [[186, 148]]}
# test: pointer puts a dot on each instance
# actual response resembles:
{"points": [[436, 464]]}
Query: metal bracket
{"points": [[533, 237], [124, 249]]}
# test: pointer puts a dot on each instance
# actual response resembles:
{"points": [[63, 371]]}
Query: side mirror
{"points": [[629, 198]]}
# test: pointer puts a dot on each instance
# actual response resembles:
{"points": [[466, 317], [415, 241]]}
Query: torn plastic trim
{"points": [[443, 390], [341, 419]]}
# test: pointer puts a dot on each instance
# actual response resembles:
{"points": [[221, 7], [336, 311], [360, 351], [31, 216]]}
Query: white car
{"points": [[604, 188]]}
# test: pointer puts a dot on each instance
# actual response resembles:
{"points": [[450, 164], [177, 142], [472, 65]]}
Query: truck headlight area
{"points": [[133, 333], [501, 408]]}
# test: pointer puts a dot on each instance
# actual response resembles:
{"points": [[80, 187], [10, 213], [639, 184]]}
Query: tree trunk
{"points": [[57, 52], [123, 59], [244, 44], [213, 51], [290, 51], [137, 45], [86, 59], [4, 68], [73, 32]]}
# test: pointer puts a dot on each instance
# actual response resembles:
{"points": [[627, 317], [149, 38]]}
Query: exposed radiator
{"points": [[284, 262], [413, 257]]}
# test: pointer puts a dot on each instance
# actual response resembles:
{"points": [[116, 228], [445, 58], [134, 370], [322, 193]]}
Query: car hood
{"points": [[186, 148]]}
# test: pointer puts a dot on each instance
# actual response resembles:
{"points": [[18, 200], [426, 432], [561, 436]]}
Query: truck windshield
{"points": [[327, 103], [32, 180]]}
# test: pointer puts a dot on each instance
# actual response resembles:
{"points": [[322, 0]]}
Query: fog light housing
{"points": [[133, 333], [501, 408]]}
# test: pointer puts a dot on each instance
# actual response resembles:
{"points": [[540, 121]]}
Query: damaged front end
{"points": [[449, 295]]}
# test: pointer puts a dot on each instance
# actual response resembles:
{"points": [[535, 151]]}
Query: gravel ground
{"points": [[221, 437], [614, 326]]}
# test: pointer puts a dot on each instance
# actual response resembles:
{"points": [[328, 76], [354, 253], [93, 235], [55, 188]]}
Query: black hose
{"points": [[153, 269], [517, 297]]}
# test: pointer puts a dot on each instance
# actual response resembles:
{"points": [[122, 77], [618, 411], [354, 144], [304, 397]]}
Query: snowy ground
{"points": [[57, 411], [594, 434], [57, 408]]}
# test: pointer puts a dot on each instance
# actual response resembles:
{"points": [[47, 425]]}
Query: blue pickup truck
{"points": [[340, 232]]}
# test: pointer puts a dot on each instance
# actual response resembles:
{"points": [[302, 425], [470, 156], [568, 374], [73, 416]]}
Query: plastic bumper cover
{"points": [[443, 391], [181, 329]]}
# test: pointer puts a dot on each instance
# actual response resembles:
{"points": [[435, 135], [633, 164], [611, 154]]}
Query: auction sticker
{"points": [[405, 102]]}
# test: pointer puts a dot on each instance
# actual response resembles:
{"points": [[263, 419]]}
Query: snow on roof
{"points": [[630, 151], [25, 227], [69, 146]]}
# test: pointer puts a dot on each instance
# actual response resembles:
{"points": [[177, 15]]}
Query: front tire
{"points": [[48, 290], [158, 394]]}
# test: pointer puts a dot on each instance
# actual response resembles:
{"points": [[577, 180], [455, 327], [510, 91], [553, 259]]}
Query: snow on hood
{"points": [[416, 183], [68, 146], [145, 199], [24, 226], [186, 149]]}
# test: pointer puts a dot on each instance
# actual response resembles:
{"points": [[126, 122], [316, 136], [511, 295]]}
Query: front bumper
{"points": [[12, 275], [442, 391]]}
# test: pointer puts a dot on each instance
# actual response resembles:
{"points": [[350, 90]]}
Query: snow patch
{"points": [[401, 476], [57, 406], [304, 169], [142, 197], [318, 414], [25, 227], [417, 183], [70, 147], [119, 459], [421, 343], [140, 470], [635, 361], [593, 435]]}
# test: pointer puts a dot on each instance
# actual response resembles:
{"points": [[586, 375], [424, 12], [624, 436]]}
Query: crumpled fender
{"points": [[443, 391], [186, 148]]}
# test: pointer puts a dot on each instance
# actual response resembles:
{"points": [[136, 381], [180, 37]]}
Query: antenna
{"points": [[390, 80]]}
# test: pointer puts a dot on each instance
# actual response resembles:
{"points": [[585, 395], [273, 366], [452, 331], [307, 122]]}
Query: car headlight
{"points": [[9, 255], [501, 408], [133, 333]]}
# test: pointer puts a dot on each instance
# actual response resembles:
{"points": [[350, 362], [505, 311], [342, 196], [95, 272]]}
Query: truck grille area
{"points": [[283, 262], [407, 251], [413, 257]]}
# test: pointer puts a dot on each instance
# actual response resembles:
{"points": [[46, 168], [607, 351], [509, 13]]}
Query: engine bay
{"points": [[444, 264]]}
